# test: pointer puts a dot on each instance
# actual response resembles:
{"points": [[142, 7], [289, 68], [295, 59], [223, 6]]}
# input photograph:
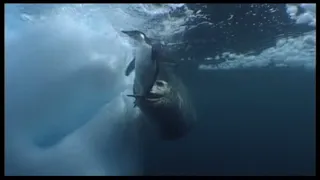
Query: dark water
{"points": [[251, 122]]}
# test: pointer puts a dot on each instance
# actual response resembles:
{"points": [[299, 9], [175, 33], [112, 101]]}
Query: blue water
{"points": [[253, 122]]}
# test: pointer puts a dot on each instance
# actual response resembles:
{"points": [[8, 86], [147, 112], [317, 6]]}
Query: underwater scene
{"points": [[160, 89]]}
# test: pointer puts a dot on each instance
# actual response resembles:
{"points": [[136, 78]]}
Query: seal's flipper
{"points": [[130, 67]]}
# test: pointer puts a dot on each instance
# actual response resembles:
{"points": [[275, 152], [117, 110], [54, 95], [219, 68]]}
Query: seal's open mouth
{"points": [[154, 95]]}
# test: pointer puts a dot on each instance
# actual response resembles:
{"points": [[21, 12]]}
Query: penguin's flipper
{"points": [[151, 97], [136, 97], [130, 67]]}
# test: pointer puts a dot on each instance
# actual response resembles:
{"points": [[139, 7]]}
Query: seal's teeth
{"points": [[152, 99]]}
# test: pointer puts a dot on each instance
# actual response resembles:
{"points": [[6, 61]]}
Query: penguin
{"points": [[144, 63], [160, 95]]}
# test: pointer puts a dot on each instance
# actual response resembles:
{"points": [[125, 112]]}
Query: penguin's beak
{"points": [[136, 35], [131, 34]]}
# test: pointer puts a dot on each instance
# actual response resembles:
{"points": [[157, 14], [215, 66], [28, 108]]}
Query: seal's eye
{"points": [[159, 83]]}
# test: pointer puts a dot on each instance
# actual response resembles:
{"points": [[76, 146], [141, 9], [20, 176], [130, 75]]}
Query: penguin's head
{"points": [[137, 35]]}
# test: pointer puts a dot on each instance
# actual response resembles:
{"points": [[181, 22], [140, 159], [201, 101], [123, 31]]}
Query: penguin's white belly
{"points": [[145, 69]]}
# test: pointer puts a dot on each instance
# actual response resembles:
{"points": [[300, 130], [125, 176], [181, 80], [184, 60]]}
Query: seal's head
{"points": [[160, 94], [167, 110]]}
